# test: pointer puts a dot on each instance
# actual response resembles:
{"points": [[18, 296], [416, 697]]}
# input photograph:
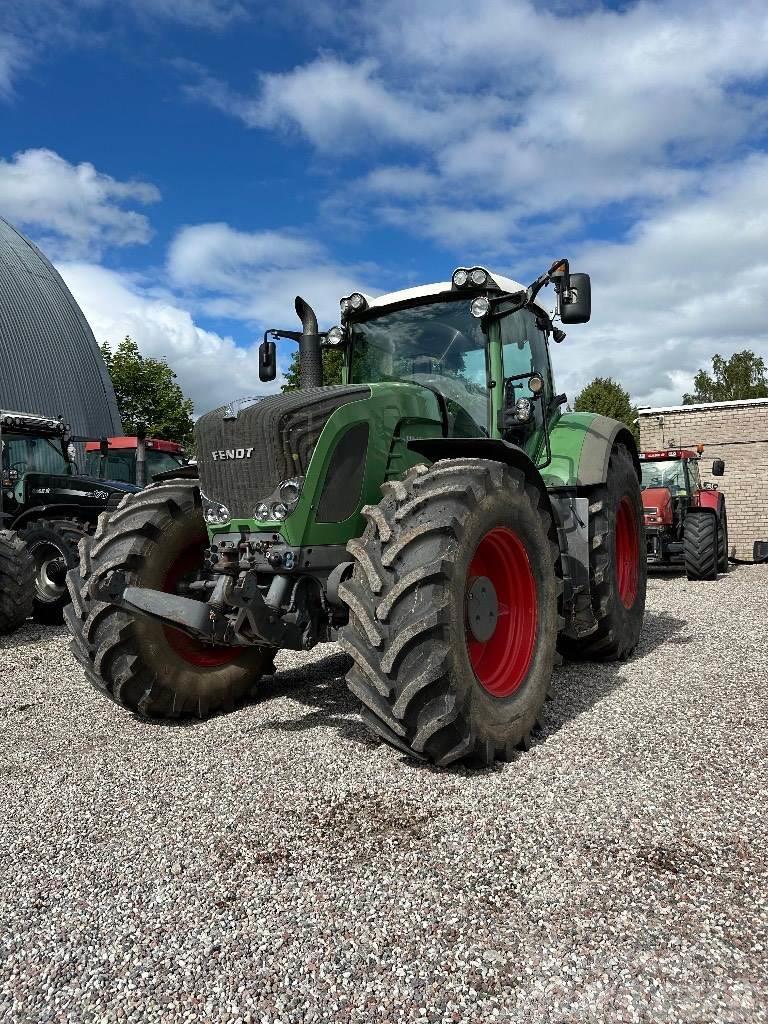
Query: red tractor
{"points": [[132, 460], [685, 520]]}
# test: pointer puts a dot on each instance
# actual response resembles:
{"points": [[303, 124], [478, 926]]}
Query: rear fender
{"points": [[581, 444]]}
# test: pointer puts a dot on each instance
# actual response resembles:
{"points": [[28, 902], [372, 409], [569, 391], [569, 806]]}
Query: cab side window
{"points": [[524, 349]]}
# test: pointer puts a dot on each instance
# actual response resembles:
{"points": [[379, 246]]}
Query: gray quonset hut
{"points": [[49, 360]]}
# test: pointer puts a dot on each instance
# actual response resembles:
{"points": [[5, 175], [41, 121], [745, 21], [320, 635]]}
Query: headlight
{"points": [[335, 336], [523, 409], [478, 276], [282, 501], [460, 277], [479, 306], [214, 513], [289, 490]]}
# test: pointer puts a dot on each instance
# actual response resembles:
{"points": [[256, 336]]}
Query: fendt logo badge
{"points": [[232, 453]]}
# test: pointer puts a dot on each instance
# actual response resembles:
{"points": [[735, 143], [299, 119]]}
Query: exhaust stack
{"points": [[310, 355]]}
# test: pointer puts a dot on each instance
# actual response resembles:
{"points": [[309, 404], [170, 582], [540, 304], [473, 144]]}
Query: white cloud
{"points": [[254, 276], [340, 106], [690, 281], [210, 367], [11, 58], [76, 208]]}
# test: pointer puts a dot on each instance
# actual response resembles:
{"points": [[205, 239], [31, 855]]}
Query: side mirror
{"points": [[267, 360], [718, 467], [576, 301]]}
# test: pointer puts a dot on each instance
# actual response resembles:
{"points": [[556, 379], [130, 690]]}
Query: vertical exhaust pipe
{"points": [[141, 455], [310, 355]]}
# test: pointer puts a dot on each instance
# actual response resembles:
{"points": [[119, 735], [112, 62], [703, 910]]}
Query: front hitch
{"points": [[236, 614]]}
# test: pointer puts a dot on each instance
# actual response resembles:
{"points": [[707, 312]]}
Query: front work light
{"points": [[460, 277], [479, 306], [354, 303], [334, 337], [536, 384], [478, 276]]}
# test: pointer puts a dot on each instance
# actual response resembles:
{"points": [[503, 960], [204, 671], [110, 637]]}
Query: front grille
{"points": [[282, 430]]}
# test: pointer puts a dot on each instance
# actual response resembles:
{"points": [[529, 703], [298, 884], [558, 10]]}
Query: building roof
{"points": [[50, 363], [735, 404]]}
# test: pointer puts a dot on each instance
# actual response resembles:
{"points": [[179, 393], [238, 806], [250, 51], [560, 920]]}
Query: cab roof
{"points": [[666, 454], [424, 291]]}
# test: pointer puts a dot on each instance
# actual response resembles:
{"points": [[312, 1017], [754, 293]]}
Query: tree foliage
{"points": [[147, 392], [333, 365], [607, 397], [741, 376]]}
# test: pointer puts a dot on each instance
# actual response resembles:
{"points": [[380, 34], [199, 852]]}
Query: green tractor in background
{"points": [[437, 514]]}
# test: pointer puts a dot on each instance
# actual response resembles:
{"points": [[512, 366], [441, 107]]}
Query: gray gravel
{"points": [[280, 865]]}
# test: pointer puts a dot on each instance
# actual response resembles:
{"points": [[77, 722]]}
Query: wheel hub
{"points": [[482, 609]]}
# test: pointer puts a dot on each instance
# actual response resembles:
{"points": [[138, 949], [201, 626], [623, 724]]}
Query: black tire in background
{"points": [[700, 546], [157, 538], [618, 565], [453, 611], [53, 545], [16, 586]]}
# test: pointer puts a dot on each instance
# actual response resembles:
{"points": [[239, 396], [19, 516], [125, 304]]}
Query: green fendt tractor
{"points": [[436, 513]]}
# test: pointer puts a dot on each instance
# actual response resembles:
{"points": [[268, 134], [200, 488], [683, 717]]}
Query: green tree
{"points": [[147, 392], [741, 376], [333, 365], [607, 397]]}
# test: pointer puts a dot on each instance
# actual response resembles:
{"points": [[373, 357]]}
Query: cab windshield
{"points": [[669, 474], [437, 344], [23, 454]]}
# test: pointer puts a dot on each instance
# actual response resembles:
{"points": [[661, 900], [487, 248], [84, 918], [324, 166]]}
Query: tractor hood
{"points": [[657, 506]]}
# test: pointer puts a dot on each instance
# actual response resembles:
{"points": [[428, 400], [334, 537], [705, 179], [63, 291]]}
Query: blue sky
{"points": [[191, 165]]}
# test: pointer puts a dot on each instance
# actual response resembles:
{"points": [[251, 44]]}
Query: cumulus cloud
{"points": [[254, 276], [211, 368], [341, 105], [73, 208], [689, 281]]}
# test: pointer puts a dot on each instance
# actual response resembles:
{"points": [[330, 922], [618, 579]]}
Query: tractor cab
{"points": [[119, 458]]}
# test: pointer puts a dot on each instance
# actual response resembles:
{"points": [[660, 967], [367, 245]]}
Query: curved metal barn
{"points": [[49, 360]]}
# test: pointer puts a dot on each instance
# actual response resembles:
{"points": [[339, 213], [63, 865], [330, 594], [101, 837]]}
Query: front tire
{"points": [[156, 538], [53, 546], [16, 582], [618, 565], [453, 611], [700, 546]]}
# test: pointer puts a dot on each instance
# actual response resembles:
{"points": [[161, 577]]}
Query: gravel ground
{"points": [[278, 864]]}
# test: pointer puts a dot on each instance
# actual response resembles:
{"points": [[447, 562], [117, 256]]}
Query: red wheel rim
{"points": [[501, 663], [627, 552], [190, 650]]}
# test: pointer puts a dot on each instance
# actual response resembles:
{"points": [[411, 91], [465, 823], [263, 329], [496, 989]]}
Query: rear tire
{"points": [[155, 537], [700, 546], [53, 545], [435, 681], [618, 565], [722, 534], [16, 582]]}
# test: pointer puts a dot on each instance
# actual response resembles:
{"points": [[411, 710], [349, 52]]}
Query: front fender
{"points": [[54, 512], [434, 448]]}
